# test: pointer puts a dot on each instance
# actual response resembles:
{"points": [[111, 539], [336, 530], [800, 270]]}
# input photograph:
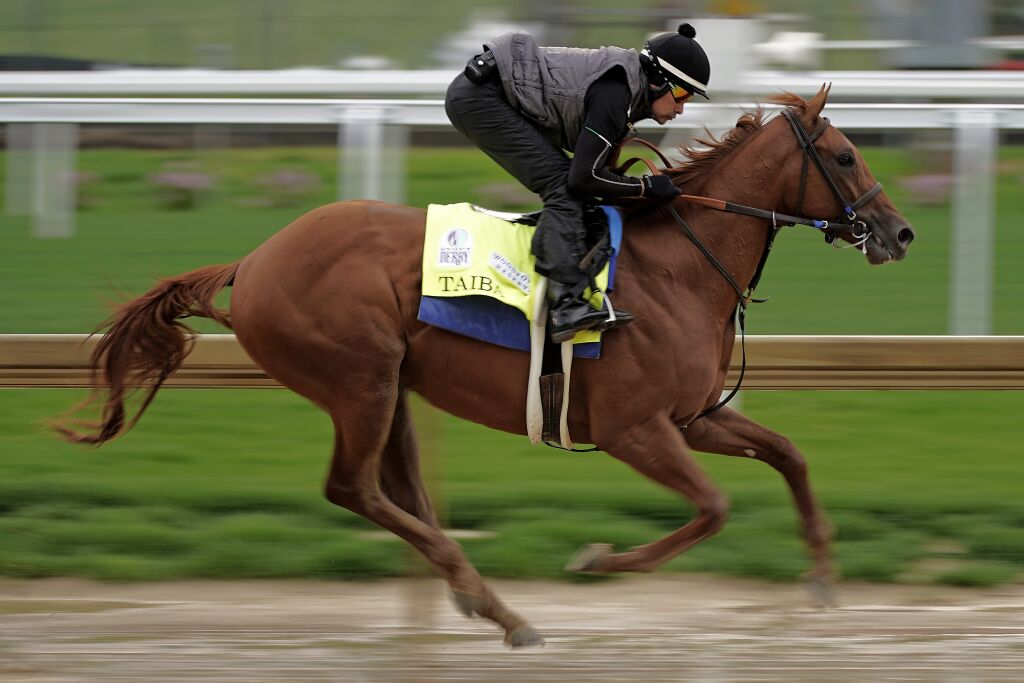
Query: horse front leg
{"points": [[727, 432], [656, 450]]}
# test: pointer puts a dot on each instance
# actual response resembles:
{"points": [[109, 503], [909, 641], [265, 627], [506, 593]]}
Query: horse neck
{"points": [[751, 175]]}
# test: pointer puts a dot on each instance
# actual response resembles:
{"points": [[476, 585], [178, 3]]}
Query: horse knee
{"points": [[787, 459], [796, 466], [715, 511], [346, 494]]}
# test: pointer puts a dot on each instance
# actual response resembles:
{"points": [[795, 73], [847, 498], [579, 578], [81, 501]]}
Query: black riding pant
{"points": [[481, 113]]}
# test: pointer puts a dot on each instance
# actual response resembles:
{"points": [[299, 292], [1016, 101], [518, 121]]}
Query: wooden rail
{"points": [[774, 362]]}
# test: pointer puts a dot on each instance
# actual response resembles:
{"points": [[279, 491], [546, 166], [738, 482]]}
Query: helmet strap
{"points": [[657, 84], [655, 92]]}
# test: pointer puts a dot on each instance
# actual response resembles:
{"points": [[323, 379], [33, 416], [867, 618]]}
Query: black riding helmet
{"points": [[676, 58]]}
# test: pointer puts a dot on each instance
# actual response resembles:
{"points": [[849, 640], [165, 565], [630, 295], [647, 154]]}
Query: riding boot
{"points": [[570, 314]]}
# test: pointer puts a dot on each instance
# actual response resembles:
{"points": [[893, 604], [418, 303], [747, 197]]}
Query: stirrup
{"points": [[616, 318]]}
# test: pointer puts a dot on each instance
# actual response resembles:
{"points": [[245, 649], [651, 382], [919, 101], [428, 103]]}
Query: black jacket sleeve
{"points": [[605, 117]]}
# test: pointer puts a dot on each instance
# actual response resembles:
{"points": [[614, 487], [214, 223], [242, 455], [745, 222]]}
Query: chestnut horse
{"points": [[328, 307]]}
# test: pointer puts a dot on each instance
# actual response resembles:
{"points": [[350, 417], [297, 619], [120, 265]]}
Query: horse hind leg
{"points": [[400, 477], [657, 450], [402, 483], [727, 432], [372, 438]]}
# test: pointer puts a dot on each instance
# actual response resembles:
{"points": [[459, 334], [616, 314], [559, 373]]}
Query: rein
{"points": [[846, 222]]}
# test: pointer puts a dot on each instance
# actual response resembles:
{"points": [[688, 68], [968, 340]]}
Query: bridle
{"points": [[847, 222]]}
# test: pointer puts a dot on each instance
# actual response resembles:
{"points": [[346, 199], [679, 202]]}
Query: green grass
{"points": [[227, 484], [921, 486]]}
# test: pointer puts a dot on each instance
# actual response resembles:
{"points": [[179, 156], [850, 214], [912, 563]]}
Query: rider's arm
{"points": [[605, 115]]}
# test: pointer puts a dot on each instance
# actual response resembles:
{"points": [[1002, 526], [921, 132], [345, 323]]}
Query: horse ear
{"points": [[817, 103]]}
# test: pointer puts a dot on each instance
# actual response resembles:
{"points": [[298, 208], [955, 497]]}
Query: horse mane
{"points": [[706, 152], [711, 150]]}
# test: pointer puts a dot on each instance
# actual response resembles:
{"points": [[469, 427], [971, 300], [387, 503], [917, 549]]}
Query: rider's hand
{"points": [[660, 187]]}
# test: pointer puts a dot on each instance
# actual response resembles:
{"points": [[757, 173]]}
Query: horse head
{"points": [[842, 188]]}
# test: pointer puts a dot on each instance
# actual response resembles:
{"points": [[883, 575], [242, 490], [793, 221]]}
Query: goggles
{"points": [[679, 93]]}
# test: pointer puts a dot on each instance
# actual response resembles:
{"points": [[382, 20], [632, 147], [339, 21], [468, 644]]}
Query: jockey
{"points": [[526, 105]]}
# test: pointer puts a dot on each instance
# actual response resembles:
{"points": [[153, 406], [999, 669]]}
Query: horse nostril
{"points": [[905, 237]]}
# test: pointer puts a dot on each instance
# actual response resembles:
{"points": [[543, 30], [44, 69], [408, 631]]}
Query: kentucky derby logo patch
{"points": [[456, 249]]}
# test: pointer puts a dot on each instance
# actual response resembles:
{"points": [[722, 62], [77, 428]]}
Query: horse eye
{"points": [[846, 159]]}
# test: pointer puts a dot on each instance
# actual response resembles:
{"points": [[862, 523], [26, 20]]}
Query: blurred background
{"points": [[143, 139]]}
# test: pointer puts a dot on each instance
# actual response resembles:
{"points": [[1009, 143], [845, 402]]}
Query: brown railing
{"points": [[774, 362]]}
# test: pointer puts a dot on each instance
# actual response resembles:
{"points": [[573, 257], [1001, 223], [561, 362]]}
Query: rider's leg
{"points": [[481, 113], [558, 245]]}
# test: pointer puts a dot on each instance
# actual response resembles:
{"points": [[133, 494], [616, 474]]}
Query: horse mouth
{"points": [[877, 253]]}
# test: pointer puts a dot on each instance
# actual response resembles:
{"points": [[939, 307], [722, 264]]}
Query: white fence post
{"points": [[371, 155], [976, 141], [53, 185]]}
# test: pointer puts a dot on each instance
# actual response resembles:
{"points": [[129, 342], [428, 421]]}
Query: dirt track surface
{"points": [[673, 628]]}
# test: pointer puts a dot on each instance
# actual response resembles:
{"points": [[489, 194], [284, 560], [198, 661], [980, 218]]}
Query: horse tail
{"points": [[144, 344]]}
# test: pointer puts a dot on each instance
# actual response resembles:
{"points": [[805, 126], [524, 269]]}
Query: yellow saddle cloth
{"points": [[470, 252]]}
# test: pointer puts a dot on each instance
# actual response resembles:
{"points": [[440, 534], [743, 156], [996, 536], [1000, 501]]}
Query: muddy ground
{"points": [[662, 628]]}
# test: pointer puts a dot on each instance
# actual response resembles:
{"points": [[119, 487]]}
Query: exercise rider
{"points": [[526, 105]]}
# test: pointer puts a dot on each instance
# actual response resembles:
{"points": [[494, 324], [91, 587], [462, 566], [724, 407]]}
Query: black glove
{"points": [[660, 187]]}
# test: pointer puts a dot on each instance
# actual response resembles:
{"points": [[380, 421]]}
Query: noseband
{"points": [[847, 220]]}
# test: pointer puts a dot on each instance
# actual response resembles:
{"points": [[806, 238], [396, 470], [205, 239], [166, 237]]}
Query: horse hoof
{"points": [[467, 603], [590, 559], [524, 636], [822, 592]]}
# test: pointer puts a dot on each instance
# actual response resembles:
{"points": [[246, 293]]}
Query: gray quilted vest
{"points": [[549, 84]]}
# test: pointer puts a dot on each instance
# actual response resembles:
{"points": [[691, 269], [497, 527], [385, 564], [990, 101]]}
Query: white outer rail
{"points": [[871, 85], [115, 110]]}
